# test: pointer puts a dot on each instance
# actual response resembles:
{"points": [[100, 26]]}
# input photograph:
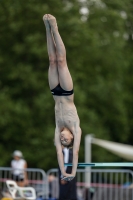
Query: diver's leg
{"points": [[53, 70], [65, 78]]}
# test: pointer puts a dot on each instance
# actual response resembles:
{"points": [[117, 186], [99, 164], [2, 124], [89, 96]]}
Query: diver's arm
{"points": [[77, 137], [59, 152]]}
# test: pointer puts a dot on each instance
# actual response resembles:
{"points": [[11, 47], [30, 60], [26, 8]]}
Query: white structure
{"points": [[121, 150], [88, 141], [23, 191]]}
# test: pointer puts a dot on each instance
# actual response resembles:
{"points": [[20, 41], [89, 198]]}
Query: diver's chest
{"points": [[67, 114]]}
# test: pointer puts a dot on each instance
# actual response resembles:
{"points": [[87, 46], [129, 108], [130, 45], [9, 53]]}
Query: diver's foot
{"points": [[46, 22], [52, 22]]}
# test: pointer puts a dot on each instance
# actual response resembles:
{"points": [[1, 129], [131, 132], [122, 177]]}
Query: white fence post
{"points": [[88, 139]]}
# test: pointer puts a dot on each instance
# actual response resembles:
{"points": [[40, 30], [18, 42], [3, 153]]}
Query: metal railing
{"points": [[106, 184], [37, 179]]}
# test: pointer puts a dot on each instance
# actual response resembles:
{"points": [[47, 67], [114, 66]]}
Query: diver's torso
{"points": [[65, 114]]}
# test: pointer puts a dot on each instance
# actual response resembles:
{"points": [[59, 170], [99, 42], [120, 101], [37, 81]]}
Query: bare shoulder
{"points": [[57, 129], [76, 128]]}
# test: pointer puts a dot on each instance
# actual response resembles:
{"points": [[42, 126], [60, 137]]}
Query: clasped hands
{"points": [[68, 177]]}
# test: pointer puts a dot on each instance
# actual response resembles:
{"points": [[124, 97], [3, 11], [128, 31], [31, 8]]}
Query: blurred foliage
{"points": [[98, 39]]}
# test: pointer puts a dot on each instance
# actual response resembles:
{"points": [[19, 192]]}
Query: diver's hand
{"points": [[68, 177], [65, 178]]}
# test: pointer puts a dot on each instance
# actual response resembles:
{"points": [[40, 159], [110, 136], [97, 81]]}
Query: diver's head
{"points": [[66, 138]]}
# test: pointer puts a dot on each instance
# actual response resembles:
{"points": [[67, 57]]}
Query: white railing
{"points": [[106, 184]]}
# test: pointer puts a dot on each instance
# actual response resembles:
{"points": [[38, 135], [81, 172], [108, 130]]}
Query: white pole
{"points": [[88, 139]]}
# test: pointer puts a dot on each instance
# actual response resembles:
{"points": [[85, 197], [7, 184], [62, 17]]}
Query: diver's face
{"points": [[66, 137]]}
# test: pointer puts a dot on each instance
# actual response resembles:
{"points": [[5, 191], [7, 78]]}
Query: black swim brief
{"points": [[58, 91]]}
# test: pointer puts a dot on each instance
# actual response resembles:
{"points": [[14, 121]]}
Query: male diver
{"points": [[67, 131]]}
